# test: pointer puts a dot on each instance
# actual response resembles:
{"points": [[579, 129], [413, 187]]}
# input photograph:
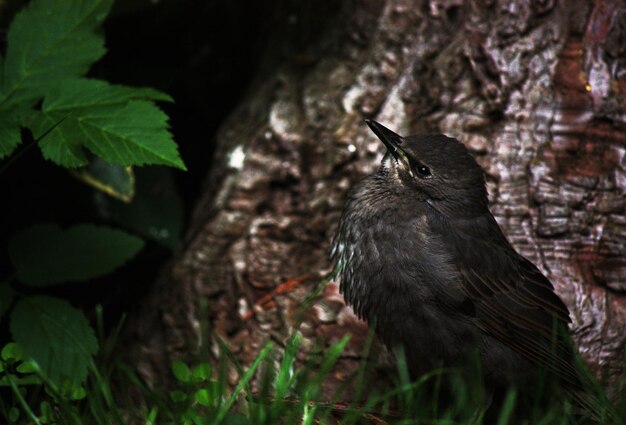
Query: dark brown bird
{"points": [[420, 254]]}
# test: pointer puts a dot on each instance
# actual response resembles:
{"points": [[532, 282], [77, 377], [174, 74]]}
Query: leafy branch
{"points": [[93, 127], [43, 87]]}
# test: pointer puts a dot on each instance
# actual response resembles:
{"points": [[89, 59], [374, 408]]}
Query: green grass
{"points": [[287, 395], [286, 392]]}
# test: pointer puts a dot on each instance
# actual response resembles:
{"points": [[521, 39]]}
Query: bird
{"points": [[420, 255]]}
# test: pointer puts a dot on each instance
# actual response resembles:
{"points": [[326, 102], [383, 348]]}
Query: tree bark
{"points": [[535, 89]]}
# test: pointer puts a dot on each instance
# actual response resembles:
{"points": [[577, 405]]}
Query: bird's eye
{"points": [[423, 170]]}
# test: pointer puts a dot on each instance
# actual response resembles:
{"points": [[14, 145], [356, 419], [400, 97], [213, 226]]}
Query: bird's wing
{"points": [[512, 300]]}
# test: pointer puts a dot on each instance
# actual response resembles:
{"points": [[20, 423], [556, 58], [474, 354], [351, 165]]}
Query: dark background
{"points": [[202, 53]]}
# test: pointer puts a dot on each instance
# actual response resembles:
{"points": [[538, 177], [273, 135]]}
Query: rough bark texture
{"points": [[536, 89]]}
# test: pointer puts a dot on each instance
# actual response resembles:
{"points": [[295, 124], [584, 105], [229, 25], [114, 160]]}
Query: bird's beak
{"points": [[390, 139]]}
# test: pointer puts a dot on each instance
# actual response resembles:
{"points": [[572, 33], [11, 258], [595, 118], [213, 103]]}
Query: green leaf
{"points": [[156, 211], [152, 416], [56, 335], [12, 352], [203, 397], [27, 366], [45, 255], [10, 136], [81, 93], [57, 147], [114, 180], [73, 390], [201, 372], [50, 41], [14, 414], [7, 294], [181, 371], [79, 394], [178, 396], [113, 122], [46, 412]]}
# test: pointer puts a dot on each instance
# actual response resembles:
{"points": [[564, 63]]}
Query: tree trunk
{"points": [[535, 89]]}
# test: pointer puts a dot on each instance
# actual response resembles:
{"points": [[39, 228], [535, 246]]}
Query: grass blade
{"points": [[242, 383]]}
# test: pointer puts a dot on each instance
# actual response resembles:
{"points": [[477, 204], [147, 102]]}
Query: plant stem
{"points": [[22, 402]]}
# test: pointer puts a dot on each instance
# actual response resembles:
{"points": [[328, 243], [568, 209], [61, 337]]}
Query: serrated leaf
{"points": [[50, 41], [58, 148], [156, 210], [56, 335], [113, 122], [79, 93], [44, 254], [114, 180], [10, 136]]}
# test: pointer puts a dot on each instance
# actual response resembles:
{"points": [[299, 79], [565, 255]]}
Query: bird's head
{"points": [[437, 168]]}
